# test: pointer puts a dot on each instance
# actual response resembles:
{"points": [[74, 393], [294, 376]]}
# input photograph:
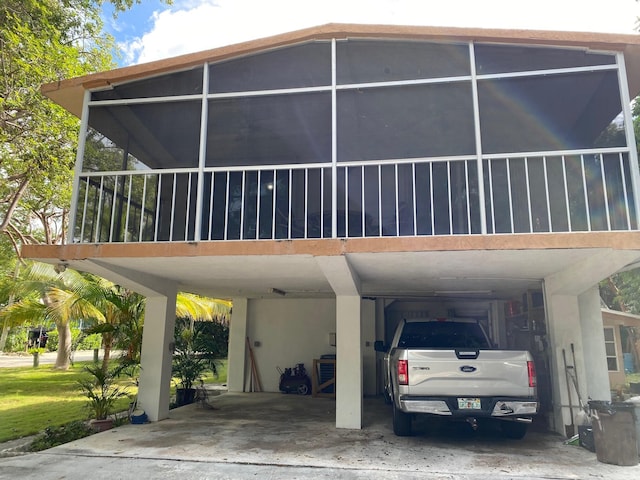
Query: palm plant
{"points": [[100, 391], [44, 295]]}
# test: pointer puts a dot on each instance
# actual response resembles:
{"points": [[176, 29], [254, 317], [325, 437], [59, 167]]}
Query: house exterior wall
{"points": [[616, 320], [290, 331]]}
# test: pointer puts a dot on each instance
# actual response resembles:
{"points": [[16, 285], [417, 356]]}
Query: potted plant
{"points": [[188, 366], [102, 393]]}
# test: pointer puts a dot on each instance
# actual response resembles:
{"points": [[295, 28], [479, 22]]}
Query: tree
{"points": [[43, 41], [44, 296]]}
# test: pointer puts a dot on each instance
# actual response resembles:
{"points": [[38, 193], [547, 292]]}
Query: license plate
{"points": [[469, 404]]}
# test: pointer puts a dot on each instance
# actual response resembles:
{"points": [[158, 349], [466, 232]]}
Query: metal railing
{"points": [[523, 193]]}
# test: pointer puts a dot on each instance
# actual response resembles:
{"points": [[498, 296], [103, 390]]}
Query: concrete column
{"points": [[380, 335], [157, 354], [236, 367], [368, 314], [349, 362], [563, 314], [593, 374]]}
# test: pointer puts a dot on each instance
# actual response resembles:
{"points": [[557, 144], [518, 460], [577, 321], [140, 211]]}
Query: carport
{"points": [[291, 297], [267, 435]]}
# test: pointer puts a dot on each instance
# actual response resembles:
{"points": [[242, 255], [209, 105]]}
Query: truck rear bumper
{"points": [[508, 408]]}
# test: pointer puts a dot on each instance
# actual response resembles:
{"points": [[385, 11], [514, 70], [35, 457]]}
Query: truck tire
{"points": [[401, 422], [515, 430]]}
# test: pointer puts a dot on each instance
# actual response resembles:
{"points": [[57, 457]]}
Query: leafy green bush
{"points": [[16, 340], [79, 342], [54, 436]]}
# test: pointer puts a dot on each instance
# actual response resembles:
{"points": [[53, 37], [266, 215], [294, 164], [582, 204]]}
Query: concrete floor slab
{"points": [[269, 432]]}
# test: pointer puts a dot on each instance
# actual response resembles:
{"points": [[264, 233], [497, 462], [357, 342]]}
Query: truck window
{"points": [[443, 335]]}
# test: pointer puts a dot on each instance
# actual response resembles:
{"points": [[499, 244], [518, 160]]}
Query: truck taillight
{"points": [[531, 368], [403, 372]]}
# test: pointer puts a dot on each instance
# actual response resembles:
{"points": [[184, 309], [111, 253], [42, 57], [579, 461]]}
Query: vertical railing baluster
{"points": [[415, 198], [84, 210], [144, 203], [273, 204], [450, 197], [432, 199], [321, 202], [100, 201], [157, 216], [306, 202], [604, 191], [379, 200], [227, 206], [258, 204], [113, 208], [586, 193], [362, 209], [289, 220], [624, 189], [526, 179], [509, 193], [188, 208], [173, 205], [466, 179], [395, 175], [242, 194], [211, 193], [126, 222], [566, 193], [346, 202], [546, 192], [491, 199]]}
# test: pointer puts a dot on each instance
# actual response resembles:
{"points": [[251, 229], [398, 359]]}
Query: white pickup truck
{"points": [[447, 367]]}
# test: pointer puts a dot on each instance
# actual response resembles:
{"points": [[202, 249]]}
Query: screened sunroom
{"points": [[361, 137]]}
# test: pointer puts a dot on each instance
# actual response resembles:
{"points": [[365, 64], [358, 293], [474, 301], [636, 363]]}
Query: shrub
{"points": [[54, 436], [16, 340]]}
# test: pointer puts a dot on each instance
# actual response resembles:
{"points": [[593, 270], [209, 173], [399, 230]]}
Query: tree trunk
{"points": [[64, 346], [107, 344], [4, 335]]}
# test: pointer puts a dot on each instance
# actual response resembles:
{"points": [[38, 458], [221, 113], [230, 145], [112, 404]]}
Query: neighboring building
{"points": [[621, 348], [336, 179]]}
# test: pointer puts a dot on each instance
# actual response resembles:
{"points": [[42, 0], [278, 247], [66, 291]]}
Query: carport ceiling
{"points": [[472, 274]]}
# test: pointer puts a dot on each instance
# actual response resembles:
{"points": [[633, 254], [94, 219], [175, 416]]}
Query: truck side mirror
{"points": [[379, 346]]}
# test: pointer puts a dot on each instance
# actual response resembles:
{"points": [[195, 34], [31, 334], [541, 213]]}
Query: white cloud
{"points": [[195, 25]]}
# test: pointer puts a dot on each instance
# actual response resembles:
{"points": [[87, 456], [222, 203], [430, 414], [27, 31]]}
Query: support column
{"points": [[563, 316], [595, 384], [349, 362], [236, 367], [368, 314], [157, 354]]}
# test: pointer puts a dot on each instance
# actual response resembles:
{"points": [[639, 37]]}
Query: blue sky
{"points": [[154, 30]]}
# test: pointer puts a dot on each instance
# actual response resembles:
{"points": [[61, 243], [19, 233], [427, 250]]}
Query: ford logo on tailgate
{"points": [[468, 369]]}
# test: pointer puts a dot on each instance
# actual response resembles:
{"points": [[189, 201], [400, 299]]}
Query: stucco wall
{"points": [[290, 331]]}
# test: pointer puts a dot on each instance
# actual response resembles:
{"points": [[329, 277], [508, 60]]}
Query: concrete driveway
{"points": [[269, 435]]}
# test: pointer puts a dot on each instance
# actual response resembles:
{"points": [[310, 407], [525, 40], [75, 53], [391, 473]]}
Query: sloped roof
{"points": [[69, 93]]}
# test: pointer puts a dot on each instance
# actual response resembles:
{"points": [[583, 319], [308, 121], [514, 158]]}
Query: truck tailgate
{"points": [[492, 373]]}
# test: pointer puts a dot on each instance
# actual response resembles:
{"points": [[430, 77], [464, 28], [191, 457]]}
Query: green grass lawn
{"points": [[32, 399]]}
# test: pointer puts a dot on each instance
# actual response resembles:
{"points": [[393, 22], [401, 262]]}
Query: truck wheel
{"points": [[515, 430], [303, 389], [401, 422]]}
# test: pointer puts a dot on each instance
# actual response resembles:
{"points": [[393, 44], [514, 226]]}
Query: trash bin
{"points": [[614, 432], [635, 401]]}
